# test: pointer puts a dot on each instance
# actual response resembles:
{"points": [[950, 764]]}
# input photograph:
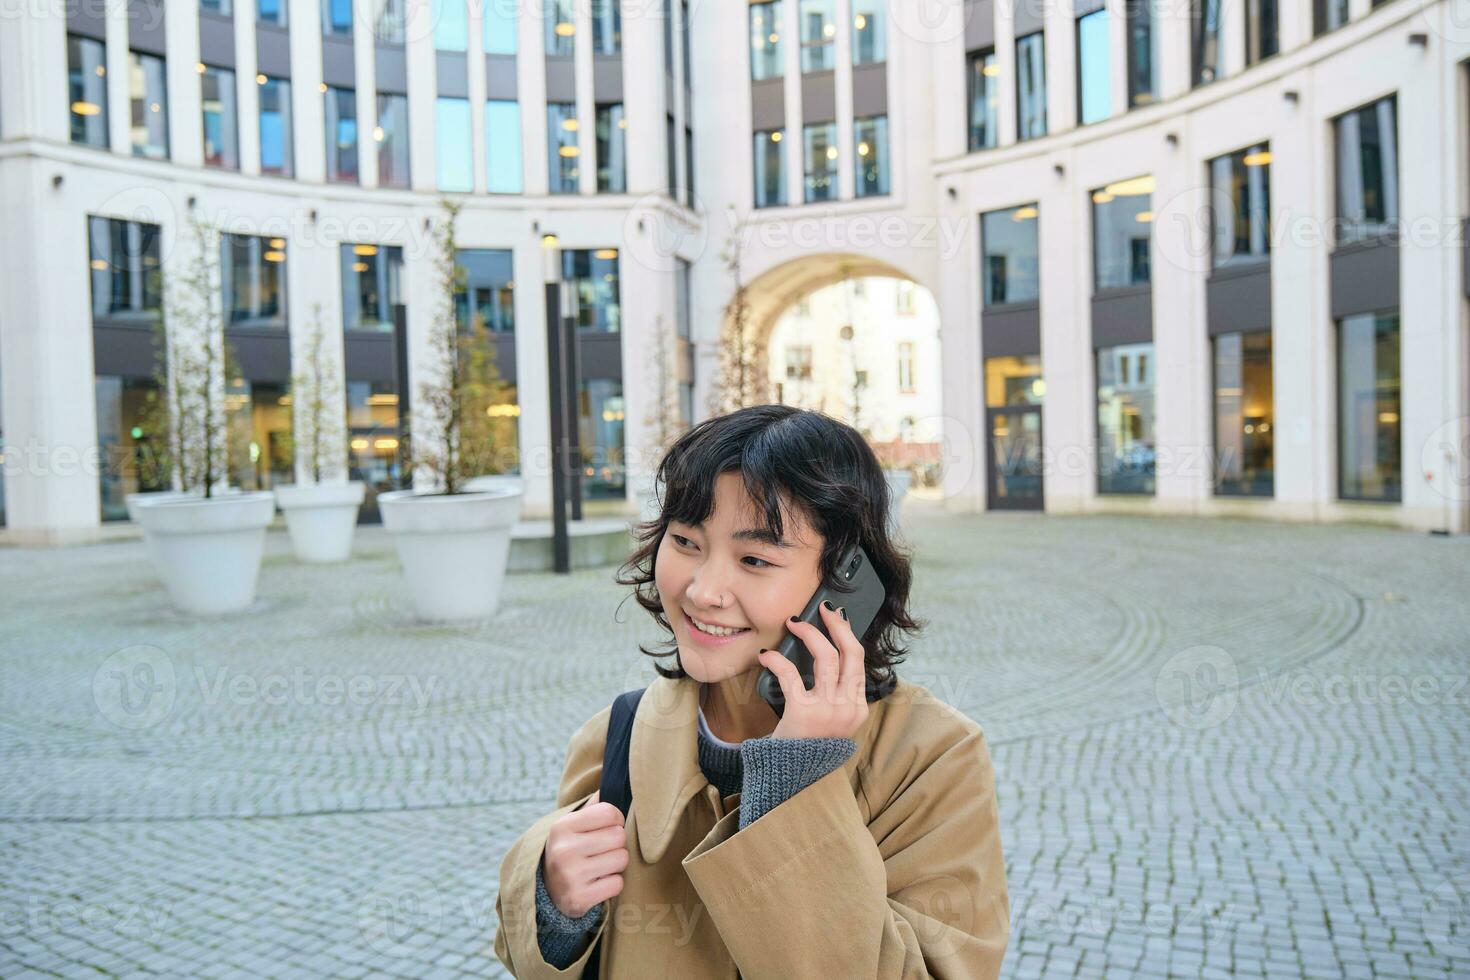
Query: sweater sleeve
{"points": [[560, 936], [776, 769]]}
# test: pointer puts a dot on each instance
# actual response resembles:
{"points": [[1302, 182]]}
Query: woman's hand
{"points": [[585, 852], [837, 704]]}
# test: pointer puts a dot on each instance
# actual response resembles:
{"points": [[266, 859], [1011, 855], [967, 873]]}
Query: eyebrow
{"points": [[759, 534]]}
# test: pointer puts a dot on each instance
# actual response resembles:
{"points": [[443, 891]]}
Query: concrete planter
{"points": [[207, 551], [321, 518], [453, 548]]}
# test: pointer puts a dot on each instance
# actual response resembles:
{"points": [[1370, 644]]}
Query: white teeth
{"points": [[714, 630]]}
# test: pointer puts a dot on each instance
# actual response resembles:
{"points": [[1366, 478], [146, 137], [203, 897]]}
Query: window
{"points": [[765, 41], [126, 271], [337, 17], [451, 25], [456, 165], [275, 126], [607, 27], [1030, 86], [1208, 41], [869, 31], [1140, 52], [372, 285], [1121, 221], [604, 474], [562, 151], [271, 12], [388, 21], [1368, 407], [149, 101], [684, 41], [391, 135], [1261, 40], [903, 298], [503, 146], [799, 362], [770, 172], [488, 294], [818, 27], [870, 140], [1244, 419], [1244, 180], [372, 441], [130, 441], [683, 298], [258, 415], [671, 154], [1013, 380], [1367, 171], [1125, 419], [611, 153], [594, 276], [668, 15], [560, 27], [222, 8], [906, 367], [341, 128], [500, 26], [86, 74], [688, 167], [253, 278], [1094, 68], [1328, 15], [984, 85], [221, 128], [820, 145], [1009, 256]]}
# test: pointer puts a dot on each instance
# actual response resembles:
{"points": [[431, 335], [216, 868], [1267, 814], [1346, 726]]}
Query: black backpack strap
{"points": [[616, 788]]}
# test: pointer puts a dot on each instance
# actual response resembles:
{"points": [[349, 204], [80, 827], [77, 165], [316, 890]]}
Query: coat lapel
{"points": [[663, 762]]}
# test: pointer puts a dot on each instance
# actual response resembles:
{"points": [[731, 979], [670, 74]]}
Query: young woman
{"points": [[854, 836]]}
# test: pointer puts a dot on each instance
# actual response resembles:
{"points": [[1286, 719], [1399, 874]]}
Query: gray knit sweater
{"points": [[765, 771]]}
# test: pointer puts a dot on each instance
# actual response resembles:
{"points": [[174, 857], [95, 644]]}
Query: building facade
{"points": [[1196, 258]]}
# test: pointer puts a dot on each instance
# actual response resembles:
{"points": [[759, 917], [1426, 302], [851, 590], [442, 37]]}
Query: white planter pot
{"points": [[207, 552], [898, 489], [453, 548], [321, 518]]}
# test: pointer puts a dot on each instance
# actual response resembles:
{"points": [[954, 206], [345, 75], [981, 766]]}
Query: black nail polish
{"points": [[795, 619], [843, 610], [828, 604]]}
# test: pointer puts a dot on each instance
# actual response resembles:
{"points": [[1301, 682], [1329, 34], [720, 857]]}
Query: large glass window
{"points": [[259, 417], [503, 146], [253, 279], [1014, 381], [86, 75], [683, 299], [456, 165], [818, 28], [1010, 273], [1367, 171], [221, 127], [765, 40], [612, 127], [275, 126], [1094, 67], [372, 439], [1122, 218], [149, 99], [391, 135], [601, 434], [337, 17], [561, 28], [984, 86], [129, 441], [1125, 419], [1244, 419], [562, 150], [341, 133], [1368, 407], [125, 269], [607, 27], [451, 25], [271, 12], [488, 297], [1261, 37], [1243, 179], [388, 20], [819, 144], [1030, 86], [372, 285], [684, 43], [1208, 40], [869, 31], [500, 26], [770, 171], [224, 8], [1328, 15], [1140, 52], [870, 140], [594, 276]]}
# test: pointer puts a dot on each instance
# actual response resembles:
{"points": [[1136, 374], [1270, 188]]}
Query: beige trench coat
{"points": [[889, 866]]}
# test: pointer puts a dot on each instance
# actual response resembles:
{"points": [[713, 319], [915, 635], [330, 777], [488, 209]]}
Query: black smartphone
{"points": [[854, 586]]}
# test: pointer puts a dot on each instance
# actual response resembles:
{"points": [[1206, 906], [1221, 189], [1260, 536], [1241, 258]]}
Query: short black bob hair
{"points": [[823, 469]]}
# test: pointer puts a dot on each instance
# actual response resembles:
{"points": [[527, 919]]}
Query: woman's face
{"points": [[760, 583]]}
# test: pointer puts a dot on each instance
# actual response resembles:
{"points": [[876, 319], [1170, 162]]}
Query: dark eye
{"points": [[763, 562], [681, 541]]}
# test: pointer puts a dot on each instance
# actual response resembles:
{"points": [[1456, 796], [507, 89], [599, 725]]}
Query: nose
{"points": [[706, 588]]}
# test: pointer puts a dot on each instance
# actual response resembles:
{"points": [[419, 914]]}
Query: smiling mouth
{"points": [[717, 636]]}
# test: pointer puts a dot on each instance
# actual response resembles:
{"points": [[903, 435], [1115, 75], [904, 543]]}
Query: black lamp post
{"points": [[563, 370]]}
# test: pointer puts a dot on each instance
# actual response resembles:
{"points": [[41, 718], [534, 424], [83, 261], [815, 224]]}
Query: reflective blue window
{"points": [[503, 147], [86, 68], [1031, 86], [870, 142], [275, 126], [451, 25], [500, 26], [452, 140], [561, 149], [770, 172], [1094, 68]]}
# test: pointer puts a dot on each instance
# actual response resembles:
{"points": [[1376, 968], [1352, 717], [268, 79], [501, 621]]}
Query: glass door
{"points": [[1014, 457]]}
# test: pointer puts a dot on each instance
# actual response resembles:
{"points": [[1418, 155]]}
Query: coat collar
{"points": [[663, 761]]}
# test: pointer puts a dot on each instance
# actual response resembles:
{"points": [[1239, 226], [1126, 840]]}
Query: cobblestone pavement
{"points": [[1221, 747]]}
